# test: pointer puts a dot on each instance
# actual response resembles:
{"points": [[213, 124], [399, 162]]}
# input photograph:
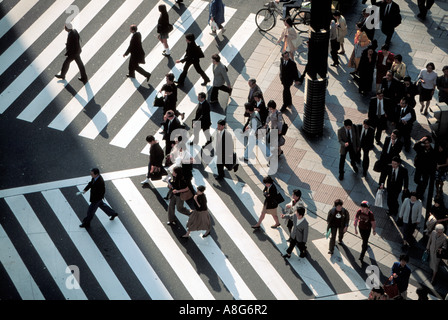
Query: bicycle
{"points": [[266, 18]]}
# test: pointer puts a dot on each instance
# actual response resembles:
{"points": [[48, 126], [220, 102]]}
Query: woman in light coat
{"points": [[411, 213], [290, 37], [437, 241]]}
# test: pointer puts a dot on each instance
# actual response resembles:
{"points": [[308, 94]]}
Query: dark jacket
{"points": [[224, 148], [366, 142], [386, 157], [425, 160], [167, 130], [373, 110], [203, 115], [73, 48], [97, 189], [270, 194], [135, 48], [288, 72], [156, 155], [402, 180], [192, 53], [331, 218], [163, 23], [392, 19]]}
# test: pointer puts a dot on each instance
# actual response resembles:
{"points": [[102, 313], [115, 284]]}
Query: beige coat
{"points": [[292, 40], [435, 242]]}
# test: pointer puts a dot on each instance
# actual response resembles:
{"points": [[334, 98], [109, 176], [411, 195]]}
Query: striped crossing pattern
{"points": [[136, 256]]}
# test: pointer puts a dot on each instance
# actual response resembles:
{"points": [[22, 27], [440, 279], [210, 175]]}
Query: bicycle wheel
{"points": [[265, 19], [300, 22]]}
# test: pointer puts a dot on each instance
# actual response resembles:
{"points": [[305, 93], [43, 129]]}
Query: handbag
{"points": [[279, 198], [391, 289], [187, 195], [442, 254], [425, 256], [169, 28], [159, 101], [379, 198], [157, 174], [400, 221], [378, 166]]}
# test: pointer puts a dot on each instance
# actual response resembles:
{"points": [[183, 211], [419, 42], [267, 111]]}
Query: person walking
{"points": [[442, 85], [397, 181], [73, 53], [250, 130], [163, 29], [274, 121], [137, 54], [366, 137], [411, 215], [192, 56], [200, 217], [384, 62], [380, 110], [425, 163], [220, 78], [436, 243], [410, 91], [216, 16], [390, 18], [299, 234], [392, 147], [341, 24], [288, 75], [400, 275], [365, 222], [334, 43], [270, 204], [177, 185], [348, 138], [366, 70], [253, 88], [169, 124], [291, 40], [97, 191], [423, 7], [202, 120], [156, 157], [224, 149], [338, 219], [405, 121], [427, 78], [398, 67], [291, 208]]}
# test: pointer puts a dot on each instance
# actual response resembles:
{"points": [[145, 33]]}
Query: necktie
{"points": [[393, 175], [349, 137], [378, 112], [387, 9], [402, 112]]}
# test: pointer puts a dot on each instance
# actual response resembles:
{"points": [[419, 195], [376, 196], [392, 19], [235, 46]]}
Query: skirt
{"points": [[425, 94], [199, 220], [163, 36], [270, 211]]}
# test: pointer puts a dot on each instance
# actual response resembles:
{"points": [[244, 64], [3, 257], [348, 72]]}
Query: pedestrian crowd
{"points": [[392, 109]]}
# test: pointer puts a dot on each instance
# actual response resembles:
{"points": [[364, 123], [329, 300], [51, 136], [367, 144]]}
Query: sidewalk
{"points": [[312, 164]]}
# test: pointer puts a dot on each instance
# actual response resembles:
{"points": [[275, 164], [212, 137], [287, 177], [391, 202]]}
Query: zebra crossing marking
{"points": [[122, 94], [44, 245], [85, 245], [10, 55], [17, 270], [106, 71], [168, 247], [53, 88], [15, 15], [217, 259], [132, 254]]}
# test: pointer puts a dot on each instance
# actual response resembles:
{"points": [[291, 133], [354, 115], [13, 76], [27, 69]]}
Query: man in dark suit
{"points": [[260, 106], [192, 56], [391, 148], [397, 181], [379, 111], [392, 88], [366, 136], [97, 190], [389, 16], [137, 54], [253, 89], [288, 74], [155, 157], [405, 120], [202, 120], [73, 53], [348, 138], [170, 123], [224, 149]]}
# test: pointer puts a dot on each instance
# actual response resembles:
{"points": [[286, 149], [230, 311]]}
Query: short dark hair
{"points": [[202, 95], [348, 122], [398, 57], [190, 37], [430, 64], [249, 106], [170, 76], [338, 202], [301, 211], [222, 122], [396, 159], [272, 104], [167, 88], [201, 188], [268, 179], [216, 57], [258, 94], [297, 193], [150, 138], [133, 27], [95, 171], [404, 257]]}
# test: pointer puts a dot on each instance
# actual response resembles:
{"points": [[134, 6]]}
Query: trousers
{"points": [[92, 209]]}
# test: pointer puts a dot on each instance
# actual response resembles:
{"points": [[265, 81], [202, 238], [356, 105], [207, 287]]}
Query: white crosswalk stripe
{"points": [[14, 15]]}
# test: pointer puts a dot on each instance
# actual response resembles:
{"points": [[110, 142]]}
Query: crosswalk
{"points": [[136, 256]]}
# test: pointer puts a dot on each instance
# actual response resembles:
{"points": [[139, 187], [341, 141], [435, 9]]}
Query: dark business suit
{"points": [[73, 53], [156, 157], [378, 119], [392, 90], [405, 127], [288, 74], [264, 112], [97, 190], [137, 56], [202, 115], [387, 153], [394, 186], [224, 149], [365, 144], [192, 56], [168, 129], [389, 19], [352, 148]]}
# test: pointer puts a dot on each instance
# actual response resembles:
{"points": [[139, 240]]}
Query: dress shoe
{"points": [[113, 217], [205, 82], [82, 225], [355, 168], [341, 176], [335, 64], [206, 234], [302, 254], [341, 52], [147, 77], [283, 109], [83, 80], [59, 76], [275, 226], [129, 76], [171, 223], [286, 255], [214, 101], [255, 227], [235, 167], [219, 177]]}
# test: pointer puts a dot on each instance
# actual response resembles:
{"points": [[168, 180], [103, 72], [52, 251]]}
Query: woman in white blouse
{"points": [[427, 78]]}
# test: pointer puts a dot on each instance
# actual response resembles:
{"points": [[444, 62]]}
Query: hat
{"points": [[365, 204]]}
